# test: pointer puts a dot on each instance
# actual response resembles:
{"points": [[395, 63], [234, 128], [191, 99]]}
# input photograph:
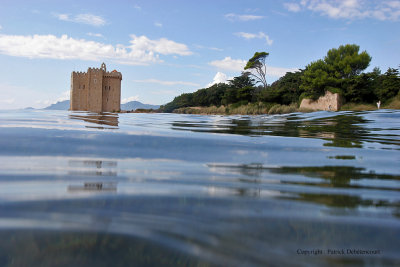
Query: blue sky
{"points": [[165, 48]]}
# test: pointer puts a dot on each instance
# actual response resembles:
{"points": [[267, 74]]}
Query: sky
{"points": [[168, 47]]}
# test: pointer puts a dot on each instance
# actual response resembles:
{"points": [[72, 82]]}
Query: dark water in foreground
{"points": [[79, 189]]}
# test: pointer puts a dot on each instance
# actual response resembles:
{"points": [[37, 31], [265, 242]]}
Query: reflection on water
{"points": [[92, 163], [325, 179], [189, 190], [345, 130], [82, 168], [92, 167], [110, 119], [344, 157], [94, 186]]}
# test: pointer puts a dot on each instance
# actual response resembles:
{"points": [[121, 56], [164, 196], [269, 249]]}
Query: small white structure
{"points": [[378, 104]]}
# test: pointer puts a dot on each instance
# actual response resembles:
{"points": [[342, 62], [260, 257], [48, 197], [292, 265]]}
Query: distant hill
{"points": [[133, 105], [62, 105]]}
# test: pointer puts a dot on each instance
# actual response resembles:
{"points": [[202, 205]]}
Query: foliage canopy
{"points": [[257, 67], [334, 71]]}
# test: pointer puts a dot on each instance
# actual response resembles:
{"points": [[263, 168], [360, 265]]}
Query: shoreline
{"points": [[276, 109], [283, 110]]}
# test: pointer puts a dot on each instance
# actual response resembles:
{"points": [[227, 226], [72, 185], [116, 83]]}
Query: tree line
{"points": [[340, 71]]}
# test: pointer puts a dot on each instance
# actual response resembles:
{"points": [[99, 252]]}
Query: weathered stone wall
{"points": [[111, 92], [79, 91], [95, 94], [329, 101], [106, 95], [96, 90]]}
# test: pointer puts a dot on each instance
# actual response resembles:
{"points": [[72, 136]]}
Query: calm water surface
{"points": [[83, 189]]}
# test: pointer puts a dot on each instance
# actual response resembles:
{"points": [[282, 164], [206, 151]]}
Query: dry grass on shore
{"points": [[249, 109], [357, 107], [394, 103], [271, 108]]}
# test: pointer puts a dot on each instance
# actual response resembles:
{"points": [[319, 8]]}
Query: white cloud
{"points": [[393, 4], [129, 99], [158, 24], [219, 78], [166, 92], [236, 17], [259, 35], [229, 64], [137, 7], [166, 82], [87, 18], [47, 102], [1, 27], [140, 51], [349, 9], [43, 103], [293, 7], [64, 17], [90, 19], [162, 46], [278, 72], [208, 47], [64, 96], [238, 65], [95, 34], [215, 49]]}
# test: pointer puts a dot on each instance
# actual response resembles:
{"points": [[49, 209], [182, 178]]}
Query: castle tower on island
{"points": [[96, 90]]}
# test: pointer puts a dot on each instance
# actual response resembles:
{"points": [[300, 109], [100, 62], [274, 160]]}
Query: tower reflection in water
{"points": [[93, 168], [104, 119]]}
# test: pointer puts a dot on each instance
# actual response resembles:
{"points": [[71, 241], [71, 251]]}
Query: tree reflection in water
{"points": [[342, 130], [327, 178]]}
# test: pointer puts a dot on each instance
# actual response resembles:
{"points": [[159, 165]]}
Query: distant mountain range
{"points": [[62, 105], [133, 105]]}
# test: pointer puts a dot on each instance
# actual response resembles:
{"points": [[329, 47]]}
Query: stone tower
{"points": [[96, 90]]}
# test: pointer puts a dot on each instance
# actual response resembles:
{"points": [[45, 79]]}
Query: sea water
{"points": [[87, 189]]}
